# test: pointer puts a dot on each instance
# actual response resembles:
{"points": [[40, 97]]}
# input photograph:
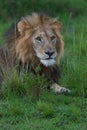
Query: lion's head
{"points": [[38, 39]]}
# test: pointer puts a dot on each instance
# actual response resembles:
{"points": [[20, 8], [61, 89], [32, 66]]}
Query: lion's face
{"points": [[39, 37], [44, 45]]}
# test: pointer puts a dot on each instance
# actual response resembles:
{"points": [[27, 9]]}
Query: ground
{"points": [[52, 111]]}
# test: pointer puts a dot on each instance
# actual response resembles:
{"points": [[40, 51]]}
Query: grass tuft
{"points": [[45, 109], [24, 84]]}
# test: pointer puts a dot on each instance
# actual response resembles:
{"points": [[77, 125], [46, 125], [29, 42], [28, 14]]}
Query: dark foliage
{"points": [[14, 9]]}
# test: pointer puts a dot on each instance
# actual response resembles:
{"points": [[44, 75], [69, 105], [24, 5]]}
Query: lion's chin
{"points": [[47, 62]]}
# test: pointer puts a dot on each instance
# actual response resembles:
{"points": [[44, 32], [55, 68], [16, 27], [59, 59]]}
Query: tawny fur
{"points": [[17, 47]]}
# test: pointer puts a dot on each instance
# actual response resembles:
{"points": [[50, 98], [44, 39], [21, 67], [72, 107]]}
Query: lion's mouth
{"points": [[48, 58]]}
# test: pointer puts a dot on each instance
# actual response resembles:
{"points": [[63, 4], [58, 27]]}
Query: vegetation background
{"points": [[21, 106]]}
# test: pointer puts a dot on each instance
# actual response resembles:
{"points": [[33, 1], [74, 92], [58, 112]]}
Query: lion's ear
{"points": [[56, 24], [21, 26]]}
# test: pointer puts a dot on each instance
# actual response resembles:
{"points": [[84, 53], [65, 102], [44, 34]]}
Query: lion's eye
{"points": [[53, 39], [38, 39]]}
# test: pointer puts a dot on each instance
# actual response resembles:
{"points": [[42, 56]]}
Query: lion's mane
{"points": [[18, 48]]}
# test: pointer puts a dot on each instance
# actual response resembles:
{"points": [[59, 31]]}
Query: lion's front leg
{"points": [[58, 89]]}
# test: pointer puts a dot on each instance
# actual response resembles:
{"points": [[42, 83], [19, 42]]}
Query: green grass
{"points": [[15, 9], [52, 111]]}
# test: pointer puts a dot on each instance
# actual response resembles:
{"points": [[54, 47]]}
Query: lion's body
{"points": [[34, 40]]}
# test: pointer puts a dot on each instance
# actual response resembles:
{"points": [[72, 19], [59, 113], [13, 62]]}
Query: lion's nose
{"points": [[49, 53]]}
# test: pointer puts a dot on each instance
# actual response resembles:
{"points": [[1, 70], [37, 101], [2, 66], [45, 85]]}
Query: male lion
{"points": [[34, 40]]}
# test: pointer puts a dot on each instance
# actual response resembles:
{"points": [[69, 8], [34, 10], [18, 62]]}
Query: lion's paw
{"points": [[58, 89]]}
